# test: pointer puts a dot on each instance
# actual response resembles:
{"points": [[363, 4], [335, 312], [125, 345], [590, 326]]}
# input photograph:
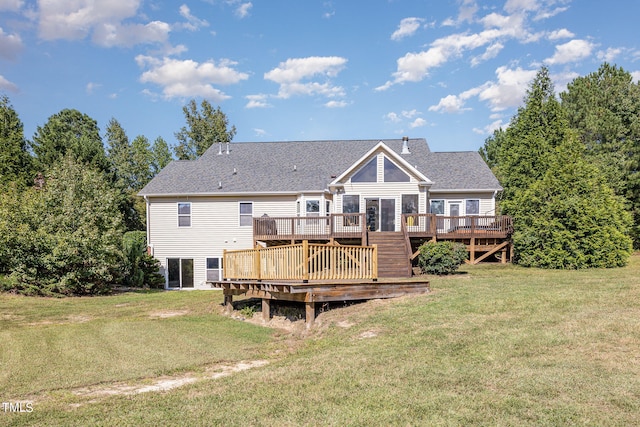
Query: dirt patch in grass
{"points": [[168, 313], [165, 383]]}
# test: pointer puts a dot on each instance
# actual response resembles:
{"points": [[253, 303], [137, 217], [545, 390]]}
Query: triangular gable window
{"points": [[393, 173], [367, 173]]}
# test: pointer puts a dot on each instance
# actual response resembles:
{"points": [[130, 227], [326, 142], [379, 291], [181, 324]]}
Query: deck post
{"points": [[374, 262], [472, 250], [310, 313], [228, 302], [266, 309], [305, 261], [256, 263]]}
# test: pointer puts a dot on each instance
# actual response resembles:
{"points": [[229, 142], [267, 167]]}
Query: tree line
{"points": [[570, 169], [71, 222]]}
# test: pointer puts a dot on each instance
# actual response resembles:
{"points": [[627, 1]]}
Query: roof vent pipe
{"points": [[220, 148], [405, 145], [227, 147]]}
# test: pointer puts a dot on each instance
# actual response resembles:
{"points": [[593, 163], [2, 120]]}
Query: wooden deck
{"points": [[318, 291], [483, 236], [353, 226]]}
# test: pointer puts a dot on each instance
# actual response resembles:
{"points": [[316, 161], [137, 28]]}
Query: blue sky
{"points": [[447, 71]]}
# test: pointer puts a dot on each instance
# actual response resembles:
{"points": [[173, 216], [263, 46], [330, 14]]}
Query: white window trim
{"points": [[444, 206], [220, 268], [465, 207], [240, 214], [190, 214]]}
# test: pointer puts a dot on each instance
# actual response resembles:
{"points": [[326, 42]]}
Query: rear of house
{"points": [[198, 209]]}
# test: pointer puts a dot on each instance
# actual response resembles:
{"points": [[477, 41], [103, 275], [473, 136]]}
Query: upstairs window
{"points": [[367, 173], [246, 214], [184, 214], [393, 173]]}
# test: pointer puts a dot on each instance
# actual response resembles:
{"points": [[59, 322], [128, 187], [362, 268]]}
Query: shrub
{"points": [[141, 269], [441, 257]]}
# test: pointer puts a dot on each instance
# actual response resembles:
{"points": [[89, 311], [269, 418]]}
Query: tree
{"points": [[202, 130], [141, 158], [571, 218], [119, 155], [160, 155], [15, 161], [604, 107], [528, 145], [66, 238], [69, 131], [491, 149]]}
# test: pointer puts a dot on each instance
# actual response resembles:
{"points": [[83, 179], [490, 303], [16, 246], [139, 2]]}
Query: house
{"points": [[238, 195]]}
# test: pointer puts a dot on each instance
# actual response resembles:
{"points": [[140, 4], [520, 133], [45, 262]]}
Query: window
{"points": [[184, 214], [246, 214], [410, 206], [351, 204], [313, 207], [472, 207], [214, 269], [180, 272], [437, 207], [367, 173], [393, 173], [409, 203]]}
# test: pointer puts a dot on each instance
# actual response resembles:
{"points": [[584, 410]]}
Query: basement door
{"points": [[381, 214]]}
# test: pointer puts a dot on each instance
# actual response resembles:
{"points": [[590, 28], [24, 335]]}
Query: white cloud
{"points": [[76, 20], [572, 51], [109, 35], [257, 101], [7, 85], [413, 67], [419, 122], [243, 10], [635, 75], [260, 132], [509, 90], [449, 104], [491, 52], [291, 73], [91, 86], [193, 23], [188, 78], [11, 5], [335, 104], [468, 8], [406, 28], [560, 34], [10, 45], [491, 127], [410, 113], [609, 55], [393, 117]]}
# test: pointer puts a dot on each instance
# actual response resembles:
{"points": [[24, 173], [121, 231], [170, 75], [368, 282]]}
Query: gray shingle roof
{"points": [[268, 167]]}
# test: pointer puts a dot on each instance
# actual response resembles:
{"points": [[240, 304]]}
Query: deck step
{"points": [[393, 260]]}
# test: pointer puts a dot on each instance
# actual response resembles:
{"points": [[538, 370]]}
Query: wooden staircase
{"points": [[393, 260]]}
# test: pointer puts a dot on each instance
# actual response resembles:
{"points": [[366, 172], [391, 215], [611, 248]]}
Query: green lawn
{"points": [[493, 345]]}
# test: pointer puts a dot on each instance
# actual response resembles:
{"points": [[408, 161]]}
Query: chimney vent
{"points": [[405, 145]]}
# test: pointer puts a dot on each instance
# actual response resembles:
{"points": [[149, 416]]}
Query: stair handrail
{"points": [[407, 240]]}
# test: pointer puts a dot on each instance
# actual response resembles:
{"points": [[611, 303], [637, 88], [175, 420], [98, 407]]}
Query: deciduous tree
{"points": [[203, 128]]}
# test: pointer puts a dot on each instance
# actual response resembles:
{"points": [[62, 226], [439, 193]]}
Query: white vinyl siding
{"points": [[214, 227], [486, 202]]}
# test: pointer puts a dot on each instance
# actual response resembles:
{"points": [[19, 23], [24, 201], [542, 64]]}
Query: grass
{"points": [[493, 345]]}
